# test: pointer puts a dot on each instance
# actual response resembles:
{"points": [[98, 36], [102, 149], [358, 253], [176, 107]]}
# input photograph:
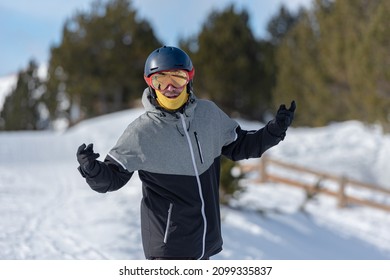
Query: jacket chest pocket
{"points": [[198, 145], [169, 216]]}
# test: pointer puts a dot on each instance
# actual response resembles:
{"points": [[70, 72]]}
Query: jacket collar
{"points": [[160, 113]]}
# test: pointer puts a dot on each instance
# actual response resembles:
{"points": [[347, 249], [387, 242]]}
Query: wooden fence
{"points": [[342, 183]]}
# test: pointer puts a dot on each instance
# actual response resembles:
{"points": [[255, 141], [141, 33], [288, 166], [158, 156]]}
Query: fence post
{"points": [[342, 198], [263, 170]]}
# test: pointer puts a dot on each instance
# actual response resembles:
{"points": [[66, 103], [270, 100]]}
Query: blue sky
{"points": [[29, 28]]}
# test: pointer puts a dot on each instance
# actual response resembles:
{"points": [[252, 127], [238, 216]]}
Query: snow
{"points": [[49, 212], [7, 83]]}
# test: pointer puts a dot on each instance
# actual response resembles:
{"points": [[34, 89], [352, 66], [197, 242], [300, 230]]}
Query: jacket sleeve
{"points": [[250, 144], [107, 176]]}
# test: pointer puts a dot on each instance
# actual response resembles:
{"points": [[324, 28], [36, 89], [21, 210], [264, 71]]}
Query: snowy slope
{"points": [[49, 212]]}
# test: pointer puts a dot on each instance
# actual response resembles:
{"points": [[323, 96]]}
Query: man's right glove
{"points": [[283, 119], [87, 159]]}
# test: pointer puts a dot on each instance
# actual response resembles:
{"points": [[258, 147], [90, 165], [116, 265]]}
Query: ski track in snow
{"points": [[49, 212]]}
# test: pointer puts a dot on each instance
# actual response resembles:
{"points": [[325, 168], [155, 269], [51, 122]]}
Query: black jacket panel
{"points": [[110, 176], [250, 144], [172, 221]]}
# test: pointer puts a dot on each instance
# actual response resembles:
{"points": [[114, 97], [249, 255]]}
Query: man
{"points": [[176, 147]]}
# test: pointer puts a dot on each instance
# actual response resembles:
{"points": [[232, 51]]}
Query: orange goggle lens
{"points": [[162, 80]]}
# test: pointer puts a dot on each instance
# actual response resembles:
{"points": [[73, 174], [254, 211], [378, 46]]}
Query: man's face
{"points": [[172, 92], [170, 83]]}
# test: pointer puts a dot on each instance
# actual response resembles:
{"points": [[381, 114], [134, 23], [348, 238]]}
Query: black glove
{"points": [[87, 159], [283, 119]]}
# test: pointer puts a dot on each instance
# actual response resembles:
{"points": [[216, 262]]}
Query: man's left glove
{"points": [[283, 119], [87, 159]]}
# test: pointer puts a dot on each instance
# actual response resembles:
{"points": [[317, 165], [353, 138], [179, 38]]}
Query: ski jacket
{"points": [[177, 156]]}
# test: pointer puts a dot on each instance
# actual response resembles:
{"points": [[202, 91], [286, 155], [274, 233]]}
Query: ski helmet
{"points": [[168, 58]]}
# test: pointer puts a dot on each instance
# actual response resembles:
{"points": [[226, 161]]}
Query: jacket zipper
{"points": [[199, 147], [168, 223], [199, 185]]}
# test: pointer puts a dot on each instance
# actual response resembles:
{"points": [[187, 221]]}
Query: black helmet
{"points": [[168, 58]]}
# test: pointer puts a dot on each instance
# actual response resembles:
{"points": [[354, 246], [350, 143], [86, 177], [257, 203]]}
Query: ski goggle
{"points": [[161, 80]]}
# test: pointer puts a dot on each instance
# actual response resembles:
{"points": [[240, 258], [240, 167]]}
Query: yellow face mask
{"points": [[172, 103]]}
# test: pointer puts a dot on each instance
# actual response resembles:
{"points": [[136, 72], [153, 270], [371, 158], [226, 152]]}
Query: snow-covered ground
{"points": [[49, 212]]}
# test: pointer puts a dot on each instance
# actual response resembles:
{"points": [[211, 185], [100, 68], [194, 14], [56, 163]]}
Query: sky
{"points": [[29, 28]]}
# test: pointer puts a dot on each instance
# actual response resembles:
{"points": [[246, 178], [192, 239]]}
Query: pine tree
{"points": [[280, 24], [229, 64], [22, 109], [334, 62], [230, 181], [98, 66]]}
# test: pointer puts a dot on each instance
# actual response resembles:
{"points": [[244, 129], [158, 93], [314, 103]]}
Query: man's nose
{"points": [[170, 87]]}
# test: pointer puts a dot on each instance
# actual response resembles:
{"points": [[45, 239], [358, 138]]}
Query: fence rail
{"points": [[344, 199]]}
